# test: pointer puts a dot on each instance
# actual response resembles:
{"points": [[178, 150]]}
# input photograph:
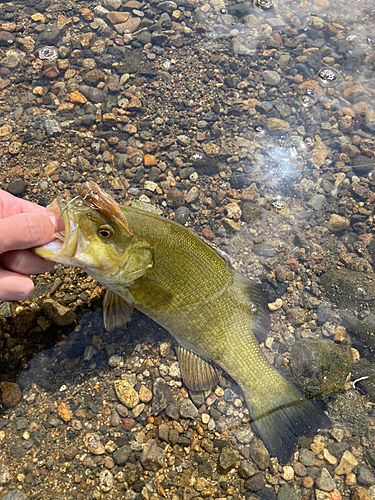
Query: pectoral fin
{"points": [[151, 294], [116, 311], [197, 373]]}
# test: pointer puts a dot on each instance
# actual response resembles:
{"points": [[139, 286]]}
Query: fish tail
{"points": [[290, 416]]}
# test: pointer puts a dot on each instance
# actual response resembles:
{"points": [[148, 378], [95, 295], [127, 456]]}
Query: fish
{"points": [[217, 315]]}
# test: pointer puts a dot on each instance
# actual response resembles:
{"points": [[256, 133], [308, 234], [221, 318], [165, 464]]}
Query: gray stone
{"points": [[188, 409], [365, 476], [153, 457], [317, 201], [259, 454], [162, 396], [51, 127], [17, 188], [246, 470], [271, 77], [168, 6], [227, 458], [307, 457], [49, 34], [181, 215], [255, 482], [324, 480], [287, 493], [93, 94], [347, 410], [14, 495], [121, 455]]}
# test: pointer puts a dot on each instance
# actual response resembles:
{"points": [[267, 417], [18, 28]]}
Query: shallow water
{"points": [[252, 124]]}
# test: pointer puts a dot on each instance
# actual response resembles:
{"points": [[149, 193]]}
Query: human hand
{"points": [[23, 225]]}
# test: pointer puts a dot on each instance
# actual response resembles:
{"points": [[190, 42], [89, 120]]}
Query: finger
{"points": [[25, 262], [26, 231], [14, 286], [11, 205]]}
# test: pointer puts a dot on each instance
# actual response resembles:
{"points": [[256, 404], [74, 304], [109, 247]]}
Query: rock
{"points": [[168, 6], [188, 409], [145, 395], [307, 457], [287, 493], [360, 493], [51, 127], [324, 480], [347, 410], [318, 154], [277, 126], [106, 480], [337, 223], [317, 201], [93, 443], [10, 393], [296, 315], [164, 432], [162, 396], [175, 198], [6, 38], [271, 77], [93, 94], [227, 458], [122, 455], [246, 470], [70, 452], [319, 366], [255, 482], [126, 393], [153, 457], [181, 215], [5, 472], [365, 476], [15, 147], [362, 165], [17, 188], [347, 464], [118, 17], [58, 314], [259, 454], [14, 495]]}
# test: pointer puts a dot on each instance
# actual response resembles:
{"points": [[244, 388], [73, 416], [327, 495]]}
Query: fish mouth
{"points": [[64, 247]]}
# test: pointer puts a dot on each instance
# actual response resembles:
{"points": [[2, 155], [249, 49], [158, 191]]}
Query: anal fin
{"points": [[197, 373], [116, 311]]}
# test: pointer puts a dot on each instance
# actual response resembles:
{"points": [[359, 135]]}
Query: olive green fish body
{"points": [[216, 314]]}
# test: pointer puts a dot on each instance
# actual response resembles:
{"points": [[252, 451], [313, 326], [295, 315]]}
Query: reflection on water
{"points": [[250, 122]]}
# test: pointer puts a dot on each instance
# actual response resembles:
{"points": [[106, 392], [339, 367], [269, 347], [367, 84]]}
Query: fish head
{"points": [[97, 238]]}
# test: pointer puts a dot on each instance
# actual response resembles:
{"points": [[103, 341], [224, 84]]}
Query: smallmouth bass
{"points": [[216, 314]]}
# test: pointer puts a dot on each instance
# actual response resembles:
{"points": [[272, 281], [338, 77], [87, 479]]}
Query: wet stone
{"points": [[360, 493], [181, 215], [175, 198], [255, 482], [153, 457], [145, 395], [365, 476], [126, 393], [164, 432], [173, 436], [246, 470], [17, 188], [287, 493], [93, 444], [162, 397], [347, 463], [188, 409], [58, 314], [296, 315], [324, 480], [14, 495], [51, 127], [307, 457], [121, 455], [227, 458], [271, 77], [259, 454]]}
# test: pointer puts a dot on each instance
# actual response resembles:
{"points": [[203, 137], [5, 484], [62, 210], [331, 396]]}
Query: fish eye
{"points": [[105, 231]]}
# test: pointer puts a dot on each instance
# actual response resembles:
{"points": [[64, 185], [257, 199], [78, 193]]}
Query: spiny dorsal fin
{"points": [[116, 311], [150, 294], [197, 373]]}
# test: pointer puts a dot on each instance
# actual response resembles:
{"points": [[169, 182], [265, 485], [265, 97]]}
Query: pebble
{"points": [[10, 393], [145, 395], [307, 457], [227, 458], [288, 473], [277, 126], [259, 454], [255, 482], [93, 443], [347, 463], [122, 455], [360, 493], [126, 393], [153, 457], [182, 214], [287, 493], [106, 480], [324, 480], [14, 495], [365, 476], [188, 409], [60, 315], [338, 223], [271, 77]]}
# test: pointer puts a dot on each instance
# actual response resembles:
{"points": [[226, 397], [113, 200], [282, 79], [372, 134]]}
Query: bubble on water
{"points": [[166, 64], [368, 39], [264, 4], [48, 53], [259, 129], [363, 314], [306, 100], [328, 76], [371, 175], [278, 204], [309, 91], [223, 11], [309, 141]]}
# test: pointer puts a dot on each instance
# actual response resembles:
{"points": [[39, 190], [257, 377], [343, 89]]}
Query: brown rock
{"points": [[87, 14], [118, 17], [11, 393], [150, 147], [337, 223], [351, 91], [277, 126], [51, 72], [77, 97], [149, 160], [129, 26], [94, 76], [360, 493], [207, 233], [175, 198], [64, 412], [318, 154], [350, 150]]}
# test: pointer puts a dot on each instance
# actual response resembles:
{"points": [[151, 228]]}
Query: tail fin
{"points": [[292, 416]]}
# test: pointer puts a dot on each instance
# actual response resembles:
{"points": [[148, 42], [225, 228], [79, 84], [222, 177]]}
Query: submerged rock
{"points": [[319, 366], [346, 410]]}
